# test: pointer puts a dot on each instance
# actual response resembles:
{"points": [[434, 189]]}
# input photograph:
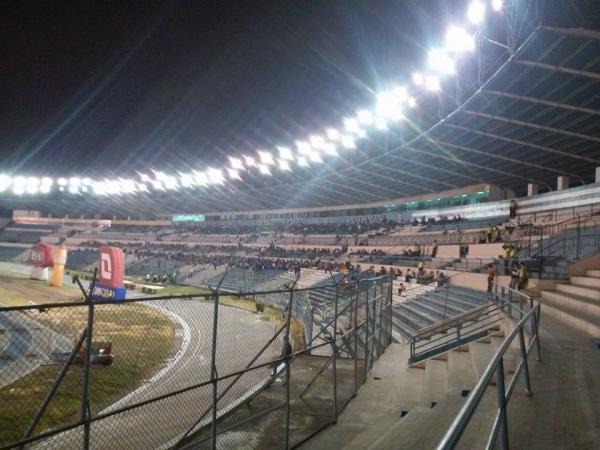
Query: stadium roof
{"points": [[534, 118]]}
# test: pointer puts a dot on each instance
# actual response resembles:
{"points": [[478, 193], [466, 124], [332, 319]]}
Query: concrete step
{"points": [[461, 376], [591, 282], [416, 429], [573, 303], [481, 354], [574, 319], [435, 387], [592, 273], [591, 293]]}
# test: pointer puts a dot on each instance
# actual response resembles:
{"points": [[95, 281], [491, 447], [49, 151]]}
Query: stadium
{"points": [[313, 225]]}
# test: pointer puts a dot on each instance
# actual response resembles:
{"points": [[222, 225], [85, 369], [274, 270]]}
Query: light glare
{"points": [[285, 153], [236, 163], [284, 165], [333, 134], [497, 5], [476, 12], [418, 79], [458, 40], [441, 62], [432, 83]]}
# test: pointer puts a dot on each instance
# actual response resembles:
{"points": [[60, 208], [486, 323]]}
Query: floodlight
{"points": [[73, 189], [389, 104], [330, 149], [45, 188], [142, 187], [497, 5], [157, 185], [233, 174], [75, 181], [333, 134], [266, 158], [303, 147], [476, 12], [215, 176], [33, 181], [315, 157], [418, 79], [351, 125], [19, 181], [236, 163], [441, 62], [145, 178], [264, 169], [186, 179], [170, 182], [365, 117], [458, 40], [317, 142], [285, 153], [200, 178], [31, 188], [5, 181], [432, 83], [62, 181], [380, 124], [302, 162], [250, 162], [128, 186], [284, 165], [18, 189], [348, 141], [411, 102]]}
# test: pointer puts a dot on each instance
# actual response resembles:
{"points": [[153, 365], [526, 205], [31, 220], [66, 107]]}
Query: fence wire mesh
{"points": [[228, 369]]}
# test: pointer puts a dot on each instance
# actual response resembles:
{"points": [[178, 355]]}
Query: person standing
{"points": [[491, 276], [512, 208]]}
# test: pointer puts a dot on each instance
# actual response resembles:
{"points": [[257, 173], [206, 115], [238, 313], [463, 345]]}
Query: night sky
{"points": [[90, 86], [109, 87]]}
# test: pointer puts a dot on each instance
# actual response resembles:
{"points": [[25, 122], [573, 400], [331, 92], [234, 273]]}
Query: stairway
{"points": [[431, 306], [576, 303], [411, 407]]}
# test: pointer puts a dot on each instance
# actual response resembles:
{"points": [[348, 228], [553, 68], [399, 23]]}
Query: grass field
{"points": [[142, 340]]}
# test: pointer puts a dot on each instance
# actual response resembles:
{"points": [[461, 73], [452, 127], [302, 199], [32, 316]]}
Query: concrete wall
{"points": [[485, 250]]}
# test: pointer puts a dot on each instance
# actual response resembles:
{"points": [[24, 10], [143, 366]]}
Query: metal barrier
{"points": [[528, 314], [202, 371]]}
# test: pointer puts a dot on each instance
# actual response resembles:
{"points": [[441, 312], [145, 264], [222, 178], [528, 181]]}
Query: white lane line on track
{"points": [[162, 372]]}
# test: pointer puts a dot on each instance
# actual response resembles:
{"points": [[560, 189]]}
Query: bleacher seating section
{"points": [[80, 259], [9, 253], [433, 306]]}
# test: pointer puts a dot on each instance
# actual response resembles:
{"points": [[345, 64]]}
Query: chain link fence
{"points": [[226, 369]]}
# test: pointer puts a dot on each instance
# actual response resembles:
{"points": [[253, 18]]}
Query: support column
{"points": [[562, 183], [532, 189], [597, 174]]}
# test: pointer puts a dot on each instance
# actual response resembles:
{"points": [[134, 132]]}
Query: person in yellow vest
{"points": [[523, 276], [488, 232]]}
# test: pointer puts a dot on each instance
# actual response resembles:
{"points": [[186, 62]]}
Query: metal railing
{"points": [[190, 371], [528, 314]]}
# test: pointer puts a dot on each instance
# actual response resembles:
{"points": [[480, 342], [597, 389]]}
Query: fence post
{"points": [[367, 331], [525, 363], [501, 397], [85, 405], [286, 347], [389, 313], [356, 337], [213, 368], [333, 348]]}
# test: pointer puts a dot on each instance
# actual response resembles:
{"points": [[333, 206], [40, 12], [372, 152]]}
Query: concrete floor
{"points": [[564, 412]]}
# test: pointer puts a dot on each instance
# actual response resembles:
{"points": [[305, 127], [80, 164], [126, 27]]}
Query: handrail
{"points": [[435, 328], [496, 367]]}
